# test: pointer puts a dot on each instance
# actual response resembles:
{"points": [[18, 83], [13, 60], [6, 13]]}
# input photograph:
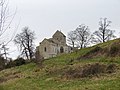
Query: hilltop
{"points": [[92, 68]]}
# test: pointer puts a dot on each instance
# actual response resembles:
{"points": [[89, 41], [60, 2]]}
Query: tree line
{"points": [[81, 37]]}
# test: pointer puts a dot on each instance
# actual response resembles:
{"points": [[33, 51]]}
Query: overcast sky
{"points": [[46, 16]]}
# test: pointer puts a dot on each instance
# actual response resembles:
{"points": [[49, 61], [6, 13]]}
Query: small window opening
{"points": [[45, 49]]}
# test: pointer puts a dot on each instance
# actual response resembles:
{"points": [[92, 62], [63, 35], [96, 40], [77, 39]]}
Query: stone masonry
{"points": [[56, 45]]}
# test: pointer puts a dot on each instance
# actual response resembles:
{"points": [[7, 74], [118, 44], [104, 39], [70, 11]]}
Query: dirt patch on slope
{"points": [[96, 51], [90, 70], [111, 50], [9, 76]]}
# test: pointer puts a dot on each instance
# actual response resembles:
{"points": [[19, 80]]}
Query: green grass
{"points": [[50, 77]]}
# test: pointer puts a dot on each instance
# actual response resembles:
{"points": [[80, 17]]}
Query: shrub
{"points": [[19, 61], [2, 63], [9, 64], [111, 68], [38, 58]]}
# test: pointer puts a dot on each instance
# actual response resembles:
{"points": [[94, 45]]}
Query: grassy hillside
{"points": [[53, 75]]}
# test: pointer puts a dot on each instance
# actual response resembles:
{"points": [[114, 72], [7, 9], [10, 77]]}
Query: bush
{"points": [[9, 64], [111, 68], [2, 63], [17, 62], [38, 58]]}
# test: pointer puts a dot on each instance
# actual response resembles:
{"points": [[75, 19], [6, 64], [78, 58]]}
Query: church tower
{"points": [[60, 37]]}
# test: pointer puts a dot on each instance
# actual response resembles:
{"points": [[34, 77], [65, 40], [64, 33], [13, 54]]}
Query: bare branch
{"points": [[25, 42], [104, 33]]}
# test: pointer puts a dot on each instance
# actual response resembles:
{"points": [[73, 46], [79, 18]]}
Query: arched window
{"points": [[61, 50], [45, 49]]}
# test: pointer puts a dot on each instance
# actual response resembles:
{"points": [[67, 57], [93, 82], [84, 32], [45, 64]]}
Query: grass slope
{"points": [[50, 77]]}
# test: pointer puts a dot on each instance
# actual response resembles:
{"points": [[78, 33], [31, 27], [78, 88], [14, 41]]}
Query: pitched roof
{"points": [[50, 40], [58, 32]]}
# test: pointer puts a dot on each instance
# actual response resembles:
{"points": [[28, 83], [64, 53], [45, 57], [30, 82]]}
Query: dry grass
{"points": [[90, 70]]}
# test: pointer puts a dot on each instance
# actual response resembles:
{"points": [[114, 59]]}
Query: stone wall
{"points": [[47, 49], [60, 38]]}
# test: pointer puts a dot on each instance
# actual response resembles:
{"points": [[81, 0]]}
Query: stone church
{"points": [[54, 46]]}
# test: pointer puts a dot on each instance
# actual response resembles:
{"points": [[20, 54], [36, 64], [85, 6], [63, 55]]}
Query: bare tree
{"points": [[104, 33], [72, 38], [6, 18], [2, 63], [38, 58], [5, 51], [83, 36], [25, 42]]}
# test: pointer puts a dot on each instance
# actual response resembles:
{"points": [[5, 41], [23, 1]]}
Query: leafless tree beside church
{"points": [[104, 33], [80, 37], [25, 41], [72, 38], [6, 18]]}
